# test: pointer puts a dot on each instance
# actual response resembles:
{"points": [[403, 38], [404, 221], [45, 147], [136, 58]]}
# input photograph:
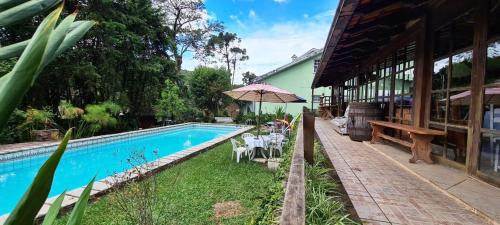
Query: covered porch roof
{"points": [[365, 31]]}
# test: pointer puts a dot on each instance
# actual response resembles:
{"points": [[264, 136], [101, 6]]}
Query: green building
{"points": [[295, 77]]}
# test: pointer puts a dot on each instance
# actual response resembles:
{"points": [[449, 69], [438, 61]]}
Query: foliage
{"points": [[189, 26], [224, 47], [100, 116], [188, 191], [323, 203], [206, 87], [279, 111], [36, 53], [248, 78], [269, 209], [68, 112], [140, 200], [37, 119], [265, 117], [123, 59], [34, 198], [10, 133], [170, 105]]}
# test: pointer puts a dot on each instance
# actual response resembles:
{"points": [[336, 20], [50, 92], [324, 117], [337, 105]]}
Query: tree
{"points": [[123, 59], [224, 47], [206, 86], [170, 105], [248, 77], [189, 26]]}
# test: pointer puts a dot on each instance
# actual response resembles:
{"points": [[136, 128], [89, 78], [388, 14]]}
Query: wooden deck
{"points": [[383, 192]]}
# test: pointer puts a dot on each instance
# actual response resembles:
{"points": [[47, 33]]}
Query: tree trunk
{"points": [[178, 60]]}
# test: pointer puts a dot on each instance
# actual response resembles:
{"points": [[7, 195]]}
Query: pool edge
{"points": [[104, 186]]}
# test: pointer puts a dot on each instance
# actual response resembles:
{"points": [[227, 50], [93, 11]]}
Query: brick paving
{"points": [[19, 146], [383, 192]]}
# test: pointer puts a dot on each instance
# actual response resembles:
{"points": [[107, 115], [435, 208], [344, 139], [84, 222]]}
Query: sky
{"points": [[271, 30]]}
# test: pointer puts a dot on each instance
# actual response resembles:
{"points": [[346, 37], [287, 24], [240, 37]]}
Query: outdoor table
{"points": [[260, 142]]}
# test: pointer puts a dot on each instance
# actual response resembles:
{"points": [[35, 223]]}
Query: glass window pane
{"points": [[438, 107], [493, 63], [461, 70], [489, 157], [459, 107], [456, 145], [440, 76]]}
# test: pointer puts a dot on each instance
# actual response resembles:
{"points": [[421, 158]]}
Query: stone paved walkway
{"points": [[383, 192], [18, 146]]}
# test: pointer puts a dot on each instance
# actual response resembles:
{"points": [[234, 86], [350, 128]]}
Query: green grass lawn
{"points": [[189, 190]]}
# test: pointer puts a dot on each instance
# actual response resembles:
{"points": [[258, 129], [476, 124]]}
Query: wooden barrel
{"points": [[359, 114]]}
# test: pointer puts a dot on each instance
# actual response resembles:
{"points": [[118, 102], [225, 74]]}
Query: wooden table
{"points": [[421, 138]]}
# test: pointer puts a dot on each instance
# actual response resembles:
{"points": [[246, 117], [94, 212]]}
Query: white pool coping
{"points": [[103, 186]]}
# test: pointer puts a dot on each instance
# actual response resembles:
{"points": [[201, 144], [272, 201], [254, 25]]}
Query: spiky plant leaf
{"points": [[13, 50], [34, 198], [51, 215], [77, 214], [5, 4], [17, 82], [75, 33], [25, 10]]}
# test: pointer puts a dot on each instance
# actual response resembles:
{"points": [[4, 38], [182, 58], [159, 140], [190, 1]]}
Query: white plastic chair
{"points": [[276, 143], [239, 149]]}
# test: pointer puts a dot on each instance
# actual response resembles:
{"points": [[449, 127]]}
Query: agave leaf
{"points": [[74, 36], [13, 50], [77, 214], [16, 49], [25, 10], [55, 39], [32, 201], [16, 83], [51, 215], [5, 4]]}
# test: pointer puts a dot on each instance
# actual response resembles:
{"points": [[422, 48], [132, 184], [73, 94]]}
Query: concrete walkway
{"points": [[383, 192]]}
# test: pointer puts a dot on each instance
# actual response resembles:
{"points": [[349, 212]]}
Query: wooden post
{"points": [[479, 57], [312, 99], [308, 127], [423, 75], [393, 88], [376, 82]]}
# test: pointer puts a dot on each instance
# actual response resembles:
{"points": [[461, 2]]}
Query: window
{"points": [[450, 95], [489, 156], [316, 98], [316, 65]]}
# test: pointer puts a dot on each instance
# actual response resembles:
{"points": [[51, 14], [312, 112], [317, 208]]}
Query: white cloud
{"points": [[233, 17], [252, 14], [271, 46], [306, 16], [280, 1]]}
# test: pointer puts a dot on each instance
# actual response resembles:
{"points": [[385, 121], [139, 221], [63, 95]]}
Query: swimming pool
{"points": [[98, 156]]}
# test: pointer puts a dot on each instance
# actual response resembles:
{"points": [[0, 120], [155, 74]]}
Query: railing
{"points": [[294, 205]]}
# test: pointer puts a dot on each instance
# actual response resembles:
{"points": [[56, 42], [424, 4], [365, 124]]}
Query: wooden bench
{"points": [[421, 138]]}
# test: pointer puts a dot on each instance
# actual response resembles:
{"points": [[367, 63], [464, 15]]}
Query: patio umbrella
{"points": [[491, 96], [262, 93]]}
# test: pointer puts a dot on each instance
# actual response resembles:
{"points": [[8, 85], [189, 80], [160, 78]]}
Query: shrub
{"points": [[100, 116], [10, 133]]}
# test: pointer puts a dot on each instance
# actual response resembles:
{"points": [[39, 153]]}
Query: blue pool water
{"points": [[80, 164]]}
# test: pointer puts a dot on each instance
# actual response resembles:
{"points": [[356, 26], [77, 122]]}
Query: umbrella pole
{"points": [[260, 112]]}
